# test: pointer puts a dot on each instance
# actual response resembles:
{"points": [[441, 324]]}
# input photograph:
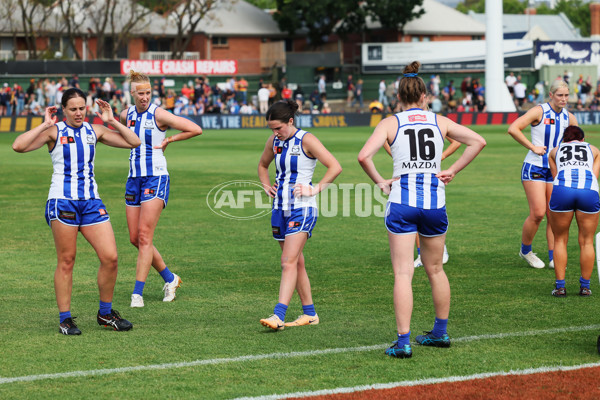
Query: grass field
{"points": [[209, 344]]}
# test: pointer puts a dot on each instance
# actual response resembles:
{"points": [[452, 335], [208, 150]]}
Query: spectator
{"points": [[382, 99], [585, 90], [510, 81], [358, 94], [263, 99], [376, 107], [315, 100], [520, 91], [349, 90], [448, 93], [286, 93], [540, 89], [243, 89], [299, 96], [321, 86], [33, 107], [187, 91]]}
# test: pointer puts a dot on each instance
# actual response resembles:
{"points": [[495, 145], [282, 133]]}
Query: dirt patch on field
{"points": [[578, 384]]}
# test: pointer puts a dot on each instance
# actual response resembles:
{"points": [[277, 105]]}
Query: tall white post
{"points": [[497, 96]]}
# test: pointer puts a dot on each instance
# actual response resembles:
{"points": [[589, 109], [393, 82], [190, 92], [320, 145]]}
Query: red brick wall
{"points": [[136, 46], [245, 50]]}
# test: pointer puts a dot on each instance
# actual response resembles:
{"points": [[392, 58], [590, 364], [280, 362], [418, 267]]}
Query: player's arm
{"points": [[552, 162], [33, 139], [263, 168], [533, 116], [475, 143], [187, 127], [123, 137], [596, 166], [373, 144], [454, 145], [573, 120], [314, 148], [387, 148], [123, 117]]}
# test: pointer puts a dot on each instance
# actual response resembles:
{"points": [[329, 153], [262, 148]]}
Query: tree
{"points": [[478, 6], [322, 18], [264, 4], [28, 17], [577, 11]]}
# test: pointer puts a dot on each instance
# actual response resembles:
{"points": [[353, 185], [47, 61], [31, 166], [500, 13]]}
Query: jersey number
{"points": [[426, 146], [579, 150]]}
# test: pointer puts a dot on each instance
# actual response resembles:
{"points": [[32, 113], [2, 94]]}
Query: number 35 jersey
{"points": [[417, 155], [574, 165]]}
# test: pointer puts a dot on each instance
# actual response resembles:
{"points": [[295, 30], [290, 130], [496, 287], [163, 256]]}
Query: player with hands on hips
{"points": [[148, 182], [416, 204], [74, 204]]}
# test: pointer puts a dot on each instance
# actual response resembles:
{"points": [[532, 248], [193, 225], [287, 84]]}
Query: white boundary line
{"points": [[417, 382], [213, 361]]}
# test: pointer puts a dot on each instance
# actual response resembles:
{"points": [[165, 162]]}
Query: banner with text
{"points": [[180, 67]]}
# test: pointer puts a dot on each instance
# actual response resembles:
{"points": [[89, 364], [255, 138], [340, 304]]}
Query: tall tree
{"points": [[478, 6], [578, 12], [28, 18], [322, 18]]}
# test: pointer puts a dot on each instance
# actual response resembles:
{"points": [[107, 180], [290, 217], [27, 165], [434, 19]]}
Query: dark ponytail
{"points": [[572, 133], [411, 86], [282, 111]]}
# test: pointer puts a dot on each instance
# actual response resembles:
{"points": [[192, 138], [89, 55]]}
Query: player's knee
{"points": [[144, 239], [134, 240], [538, 215], [66, 263]]}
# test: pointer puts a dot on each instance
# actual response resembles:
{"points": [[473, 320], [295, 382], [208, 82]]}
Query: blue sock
{"points": [[439, 327], [280, 310], [167, 275], [139, 288], [403, 339], [64, 315], [525, 248], [584, 282], [551, 255], [560, 283], [418, 251], [309, 310], [105, 308]]}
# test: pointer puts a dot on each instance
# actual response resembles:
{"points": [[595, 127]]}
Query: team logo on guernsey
{"points": [[148, 124], [102, 211], [417, 117], [67, 140], [278, 150], [90, 139], [549, 121], [149, 191], [131, 123], [295, 151]]}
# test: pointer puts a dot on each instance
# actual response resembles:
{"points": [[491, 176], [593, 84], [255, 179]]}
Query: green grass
{"points": [[231, 276]]}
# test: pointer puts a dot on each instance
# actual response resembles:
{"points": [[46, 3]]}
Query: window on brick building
{"points": [[220, 41]]}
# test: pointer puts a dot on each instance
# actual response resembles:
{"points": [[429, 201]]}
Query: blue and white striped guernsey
{"points": [[73, 163], [574, 164], [548, 132], [417, 155], [145, 160], [293, 166]]}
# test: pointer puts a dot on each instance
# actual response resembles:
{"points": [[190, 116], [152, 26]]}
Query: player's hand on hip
{"points": [[303, 190]]}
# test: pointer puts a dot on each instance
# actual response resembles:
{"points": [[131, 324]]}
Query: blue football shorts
{"points": [[76, 212], [290, 222], [145, 188], [401, 219], [565, 199], [531, 172]]}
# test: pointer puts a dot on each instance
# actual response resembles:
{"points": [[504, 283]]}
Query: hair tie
{"points": [[410, 75]]}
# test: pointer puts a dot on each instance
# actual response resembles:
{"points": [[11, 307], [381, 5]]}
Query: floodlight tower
{"points": [[497, 96]]}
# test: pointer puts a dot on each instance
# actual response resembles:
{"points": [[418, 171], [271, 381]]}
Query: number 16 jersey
{"points": [[417, 155]]}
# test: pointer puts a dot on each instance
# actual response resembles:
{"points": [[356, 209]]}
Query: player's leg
{"points": [[549, 234], [535, 192], [587, 223], [560, 223], [133, 218], [401, 248], [65, 241], [309, 314]]}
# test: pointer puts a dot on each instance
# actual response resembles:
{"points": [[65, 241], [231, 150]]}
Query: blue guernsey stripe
{"points": [[588, 180], [434, 196], [547, 133], [149, 149], [136, 152], [282, 157], [80, 166], [67, 171], [404, 189], [574, 178], [91, 171], [420, 191], [557, 126], [561, 178]]}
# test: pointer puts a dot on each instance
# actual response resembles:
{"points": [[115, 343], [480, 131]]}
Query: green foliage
{"points": [[322, 18], [231, 271], [264, 4], [578, 13], [478, 6]]}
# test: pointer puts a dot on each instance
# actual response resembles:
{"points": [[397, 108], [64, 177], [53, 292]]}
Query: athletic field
{"points": [[208, 343]]}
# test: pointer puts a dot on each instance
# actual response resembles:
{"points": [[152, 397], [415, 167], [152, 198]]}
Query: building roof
{"points": [[547, 27], [243, 19], [439, 19]]}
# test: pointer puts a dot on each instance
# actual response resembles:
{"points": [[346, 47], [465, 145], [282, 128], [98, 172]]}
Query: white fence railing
{"points": [[166, 55]]}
